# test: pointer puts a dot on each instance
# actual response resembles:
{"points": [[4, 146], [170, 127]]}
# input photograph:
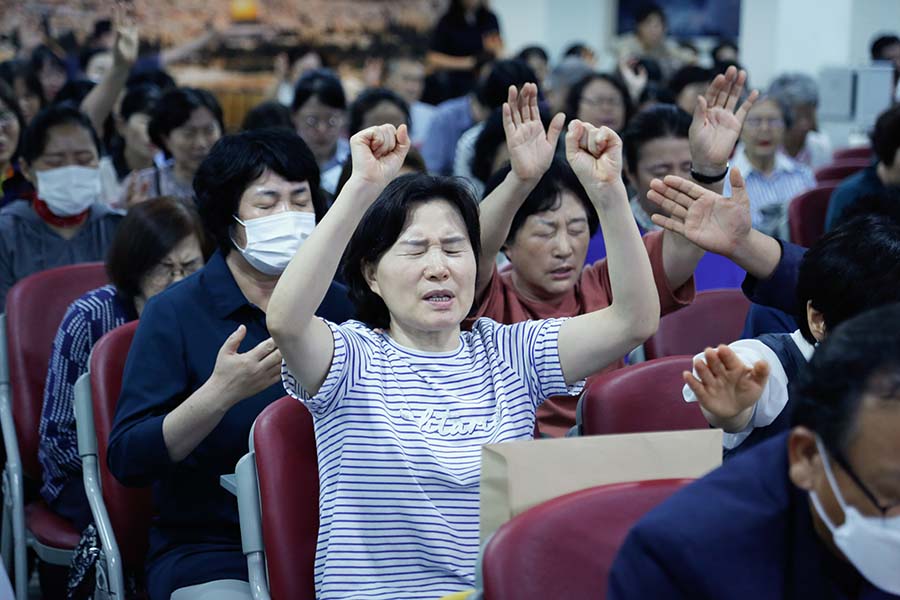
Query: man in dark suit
{"points": [[812, 513]]}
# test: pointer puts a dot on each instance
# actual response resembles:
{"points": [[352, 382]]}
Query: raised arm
{"points": [[305, 341], [592, 341], [99, 102], [531, 151], [714, 132]]}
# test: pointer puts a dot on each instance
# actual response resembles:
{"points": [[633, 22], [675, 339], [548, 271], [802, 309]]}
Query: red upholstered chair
{"points": [[564, 548], [839, 170], [639, 398], [284, 443], [715, 317], [864, 152], [35, 307], [122, 515], [806, 214]]}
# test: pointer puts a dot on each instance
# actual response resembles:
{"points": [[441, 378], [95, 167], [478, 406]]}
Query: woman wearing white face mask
{"points": [[66, 224], [202, 365]]}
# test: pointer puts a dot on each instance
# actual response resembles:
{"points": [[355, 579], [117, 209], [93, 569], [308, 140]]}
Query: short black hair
{"points": [[384, 222], [43, 55], [654, 92], [493, 90], [268, 114], [576, 91], [861, 357], [531, 52], [8, 97], [660, 121], [369, 99], [157, 77], [12, 70], [101, 28], [648, 10], [35, 139], [853, 268], [881, 43], [236, 160], [87, 53], [546, 195], [74, 91], [577, 49], [688, 75], [886, 135], [721, 45], [174, 110], [140, 99], [323, 85], [145, 236]]}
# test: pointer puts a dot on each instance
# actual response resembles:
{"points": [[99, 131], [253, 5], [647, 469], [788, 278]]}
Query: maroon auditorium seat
{"points": [[840, 170], [285, 446], [864, 152], [715, 317], [807, 211], [639, 398], [564, 548]]}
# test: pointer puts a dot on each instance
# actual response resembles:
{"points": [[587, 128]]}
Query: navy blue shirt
{"points": [[195, 536], [743, 532]]}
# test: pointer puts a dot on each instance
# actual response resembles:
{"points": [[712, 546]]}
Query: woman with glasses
{"points": [[771, 176], [157, 244], [319, 110], [600, 99], [185, 124]]}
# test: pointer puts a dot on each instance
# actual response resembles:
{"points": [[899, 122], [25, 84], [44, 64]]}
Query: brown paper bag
{"points": [[518, 475]]}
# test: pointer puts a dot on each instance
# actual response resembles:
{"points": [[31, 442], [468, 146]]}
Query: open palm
{"points": [[709, 220], [716, 126], [724, 385], [530, 148]]}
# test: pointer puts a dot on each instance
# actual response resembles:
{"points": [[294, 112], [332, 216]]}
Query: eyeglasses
{"points": [[883, 508], [329, 123], [607, 102], [167, 273], [7, 118], [758, 122]]}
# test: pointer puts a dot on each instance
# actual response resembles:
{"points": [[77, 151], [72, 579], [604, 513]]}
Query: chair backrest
{"points": [[35, 307], [806, 214], [130, 509], [715, 317], [639, 398], [864, 152], [284, 443], [564, 548], [842, 169]]}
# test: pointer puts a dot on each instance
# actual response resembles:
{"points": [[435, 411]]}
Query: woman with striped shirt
{"points": [[402, 399]]}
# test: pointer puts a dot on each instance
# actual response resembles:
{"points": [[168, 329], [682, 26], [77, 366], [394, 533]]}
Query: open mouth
{"points": [[561, 273], [439, 298]]}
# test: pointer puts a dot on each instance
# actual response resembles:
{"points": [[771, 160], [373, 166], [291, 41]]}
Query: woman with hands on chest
{"points": [[403, 399], [202, 365]]}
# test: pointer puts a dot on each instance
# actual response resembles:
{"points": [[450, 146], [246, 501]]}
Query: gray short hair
{"points": [[795, 88]]}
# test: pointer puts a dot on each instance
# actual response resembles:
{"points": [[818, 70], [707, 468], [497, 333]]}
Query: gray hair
{"points": [[795, 88], [567, 73]]}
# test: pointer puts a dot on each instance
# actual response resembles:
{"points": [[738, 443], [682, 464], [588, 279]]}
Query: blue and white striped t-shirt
{"points": [[399, 435]]}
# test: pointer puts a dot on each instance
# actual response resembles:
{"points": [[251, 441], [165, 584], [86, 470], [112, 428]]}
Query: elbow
{"points": [[643, 321]]}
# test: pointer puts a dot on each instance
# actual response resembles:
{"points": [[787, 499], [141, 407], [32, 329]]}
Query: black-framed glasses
{"points": [[845, 464]]}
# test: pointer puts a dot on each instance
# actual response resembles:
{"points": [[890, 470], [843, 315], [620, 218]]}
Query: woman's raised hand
{"points": [[530, 148], [718, 121], [595, 155], [378, 153]]}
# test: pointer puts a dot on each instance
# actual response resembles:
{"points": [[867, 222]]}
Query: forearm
{"points": [[680, 258], [184, 51], [496, 213], [630, 275], [101, 100], [188, 425], [758, 254], [439, 60], [733, 424]]}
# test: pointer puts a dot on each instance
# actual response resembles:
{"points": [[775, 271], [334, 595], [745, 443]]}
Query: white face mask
{"points": [[69, 190], [274, 240], [871, 544]]}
